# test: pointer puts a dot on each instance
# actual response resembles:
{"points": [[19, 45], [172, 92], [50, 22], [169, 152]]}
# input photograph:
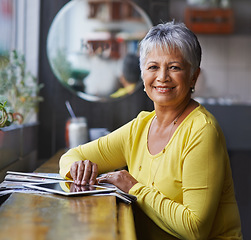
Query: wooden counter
{"points": [[48, 216]]}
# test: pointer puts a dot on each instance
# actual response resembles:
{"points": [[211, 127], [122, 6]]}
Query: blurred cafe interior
{"points": [[61, 62]]}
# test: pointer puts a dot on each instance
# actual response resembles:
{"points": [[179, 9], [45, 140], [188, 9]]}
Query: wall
{"points": [[226, 68]]}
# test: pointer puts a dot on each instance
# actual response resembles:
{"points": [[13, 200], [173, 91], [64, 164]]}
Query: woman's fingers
{"points": [[94, 174], [87, 172], [80, 172], [74, 171], [84, 172], [121, 179]]}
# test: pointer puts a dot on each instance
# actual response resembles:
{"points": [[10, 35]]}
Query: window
{"points": [[19, 24]]}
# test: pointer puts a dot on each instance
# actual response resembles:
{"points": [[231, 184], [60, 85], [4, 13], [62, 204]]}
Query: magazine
{"points": [[32, 177], [15, 181]]}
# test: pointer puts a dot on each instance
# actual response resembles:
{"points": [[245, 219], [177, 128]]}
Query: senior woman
{"points": [[178, 166]]}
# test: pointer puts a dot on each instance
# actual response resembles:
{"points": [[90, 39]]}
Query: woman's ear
{"points": [[195, 77]]}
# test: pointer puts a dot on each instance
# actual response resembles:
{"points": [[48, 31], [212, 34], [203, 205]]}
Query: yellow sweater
{"points": [[186, 189]]}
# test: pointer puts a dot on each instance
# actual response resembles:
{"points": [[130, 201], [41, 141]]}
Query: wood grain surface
{"points": [[25, 216]]}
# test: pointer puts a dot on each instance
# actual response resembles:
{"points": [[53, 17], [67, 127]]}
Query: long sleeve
{"points": [[108, 152]]}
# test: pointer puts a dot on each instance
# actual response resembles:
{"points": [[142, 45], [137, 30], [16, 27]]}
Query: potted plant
{"points": [[6, 117], [19, 87]]}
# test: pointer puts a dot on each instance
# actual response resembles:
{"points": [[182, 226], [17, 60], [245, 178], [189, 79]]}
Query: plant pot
{"points": [[18, 148]]}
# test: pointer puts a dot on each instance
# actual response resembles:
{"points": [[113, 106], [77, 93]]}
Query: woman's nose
{"points": [[163, 75]]}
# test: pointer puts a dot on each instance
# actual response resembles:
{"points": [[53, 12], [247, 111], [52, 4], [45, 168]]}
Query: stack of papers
{"points": [[15, 181], [48, 183]]}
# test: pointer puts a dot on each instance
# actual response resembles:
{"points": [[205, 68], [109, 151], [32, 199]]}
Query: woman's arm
{"points": [[104, 154]]}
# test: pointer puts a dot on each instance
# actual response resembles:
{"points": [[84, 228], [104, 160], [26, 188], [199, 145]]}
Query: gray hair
{"points": [[170, 36]]}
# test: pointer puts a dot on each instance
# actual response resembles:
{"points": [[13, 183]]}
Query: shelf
{"points": [[210, 21], [112, 10]]}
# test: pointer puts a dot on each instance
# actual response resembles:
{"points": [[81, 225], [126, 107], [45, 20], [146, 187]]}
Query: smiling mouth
{"points": [[163, 89]]}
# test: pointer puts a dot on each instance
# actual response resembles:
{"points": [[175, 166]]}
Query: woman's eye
{"points": [[152, 67], [175, 68]]}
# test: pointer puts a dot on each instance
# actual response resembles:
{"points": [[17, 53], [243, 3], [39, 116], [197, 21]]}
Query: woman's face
{"points": [[167, 77]]}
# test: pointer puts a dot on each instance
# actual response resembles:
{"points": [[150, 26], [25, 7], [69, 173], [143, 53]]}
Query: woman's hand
{"points": [[121, 179], [84, 172]]}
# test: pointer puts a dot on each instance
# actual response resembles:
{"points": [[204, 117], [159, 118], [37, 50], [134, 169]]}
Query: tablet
{"points": [[68, 188]]}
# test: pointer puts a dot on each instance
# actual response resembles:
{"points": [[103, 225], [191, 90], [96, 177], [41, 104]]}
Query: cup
{"points": [[76, 132]]}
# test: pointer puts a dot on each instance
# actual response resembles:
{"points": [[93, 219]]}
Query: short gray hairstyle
{"points": [[170, 36]]}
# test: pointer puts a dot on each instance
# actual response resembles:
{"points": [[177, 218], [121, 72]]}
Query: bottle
{"points": [[77, 132]]}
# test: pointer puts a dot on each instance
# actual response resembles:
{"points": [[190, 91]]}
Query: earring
{"points": [[144, 89], [192, 89]]}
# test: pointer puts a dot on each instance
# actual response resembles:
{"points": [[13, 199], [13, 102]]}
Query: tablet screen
{"points": [[69, 188]]}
